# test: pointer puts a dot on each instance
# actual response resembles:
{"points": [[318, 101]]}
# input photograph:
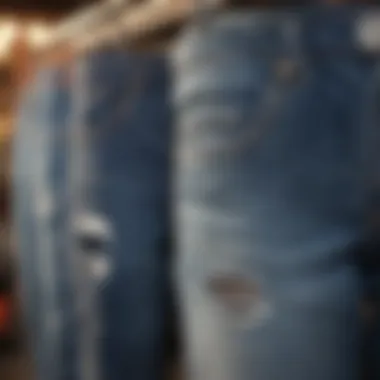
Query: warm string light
{"points": [[8, 32], [36, 34]]}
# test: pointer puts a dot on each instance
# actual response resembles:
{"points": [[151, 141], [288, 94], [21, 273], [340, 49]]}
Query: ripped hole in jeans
{"points": [[235, 293]]}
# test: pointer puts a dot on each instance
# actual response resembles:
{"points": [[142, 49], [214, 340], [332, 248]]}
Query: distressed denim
{"points": [[41, 221], [121, 184], [276, 147]]}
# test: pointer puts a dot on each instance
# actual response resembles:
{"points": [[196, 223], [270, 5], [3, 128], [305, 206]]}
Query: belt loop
{"points": [[292, 36], [291, 64]]}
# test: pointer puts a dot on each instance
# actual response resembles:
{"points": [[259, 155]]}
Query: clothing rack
{"points": [[119, 20], [81, 21], [140, 23]]}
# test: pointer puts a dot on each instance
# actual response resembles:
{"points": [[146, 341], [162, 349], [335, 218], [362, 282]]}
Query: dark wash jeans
{"points": [[277, 141], [121, 178], [40, 201]]}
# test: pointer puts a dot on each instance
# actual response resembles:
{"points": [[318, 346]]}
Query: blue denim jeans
{"points": [[276, 147], [121, 184], [41, 220], [23, 215]]}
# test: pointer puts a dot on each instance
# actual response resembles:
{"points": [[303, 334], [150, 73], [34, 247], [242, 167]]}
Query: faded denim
{"points": [[40, 204], [276, 160]]}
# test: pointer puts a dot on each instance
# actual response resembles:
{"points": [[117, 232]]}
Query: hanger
{"points": [[141, 24], [134, 23], [81, 21]]}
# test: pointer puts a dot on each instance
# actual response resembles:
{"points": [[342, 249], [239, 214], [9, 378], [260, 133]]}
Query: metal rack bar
{"points": [[124, 20], [139, 22], [84, 20]]}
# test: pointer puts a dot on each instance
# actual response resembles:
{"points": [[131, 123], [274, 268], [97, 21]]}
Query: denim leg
{"points": [[269, 194], [22, 223], [28, 225], [58, 177], [124, 200], [39, 229]]}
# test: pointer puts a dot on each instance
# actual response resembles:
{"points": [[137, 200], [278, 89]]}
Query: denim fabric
{"points": [[121, 221], [275, 135], [40, 201], [23, 216], [59, 179]]}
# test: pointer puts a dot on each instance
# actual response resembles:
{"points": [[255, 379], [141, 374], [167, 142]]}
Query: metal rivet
{"points": [[287, 70]]}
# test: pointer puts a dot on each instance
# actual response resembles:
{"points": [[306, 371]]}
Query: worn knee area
{"points": [[236, 293], [240, 298]]}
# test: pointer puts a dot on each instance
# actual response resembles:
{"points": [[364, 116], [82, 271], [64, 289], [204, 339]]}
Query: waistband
{"points": [[325, 29]]}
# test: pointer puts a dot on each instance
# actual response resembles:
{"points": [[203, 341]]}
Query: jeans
{"points": [[276, 148], [23, 230], [41, 220], [120, 180]]}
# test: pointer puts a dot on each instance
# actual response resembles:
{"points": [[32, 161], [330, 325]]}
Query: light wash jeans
{"points": [[120, 182], [40, 223], [277, 140]]}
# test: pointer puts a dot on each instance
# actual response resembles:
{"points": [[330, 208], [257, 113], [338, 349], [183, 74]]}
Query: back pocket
{"points": [[230, 92]]}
